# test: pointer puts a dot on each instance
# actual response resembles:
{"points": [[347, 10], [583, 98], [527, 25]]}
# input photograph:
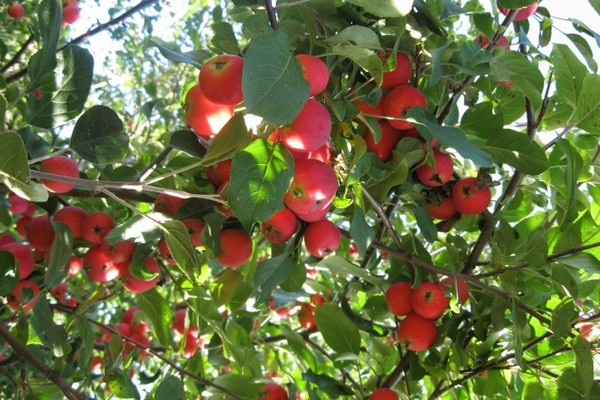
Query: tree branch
{"points": [[272, 15], [18, 54]]}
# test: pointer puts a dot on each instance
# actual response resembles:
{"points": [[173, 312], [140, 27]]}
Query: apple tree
{"points": [[311, 199]]}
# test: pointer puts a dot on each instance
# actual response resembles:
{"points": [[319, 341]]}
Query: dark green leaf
{"points": [[171, 388], [584, 364], [516, 150], [187, 141], [269, 274], [120, 384], [57, 340], [64, 104], [330, 386], [138, 229], [482, 120], [195, 58], [425, 224], [232, 138], [260, 176], [385, 8], [2, 110], [514, 67], [562, 317], [584, 48], [514, 4], [9, 273], [365, 58], [358, 35], [342, 266], [362, 233], [337, 330], [272, 81], [295, 279], [224, 39], [50, 23], [584, 261], [159, 311], [86, 348], [60, 255], [41, 320], [137, 267], [98, 136]]}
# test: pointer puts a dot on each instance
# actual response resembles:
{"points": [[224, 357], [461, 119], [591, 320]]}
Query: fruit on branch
{"points": [[221, 79], [399, 100], [461, 287], [398, 298], [15, 10], [202, 115], [236, 247], [384, 394], [443, 209], [309, 130], [167, 204], [22, 225], [468, 199], [194, 228], [18, 205], [24, 295], [312, 189], [96, 226], [416, 332], [400, 74], [133, 284], [59, 165], [23, 257], [73, 217], [164, 251], [75, 265], [315, 72], [272, 391], [119, 252], [280, 227], [41, 233], [70, 12], [219, 173], [428, 300], [99, 267], [390, 136], [482, 40], [322, 154], [442, 172], [322, 238], [306, 316], [375, 112], [523, 13]]}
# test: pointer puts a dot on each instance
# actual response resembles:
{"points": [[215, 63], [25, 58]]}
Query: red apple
{"points": [[315, 72], [523, 13], [397, 297], [373, 111], [272, 391], [70, 14], [221, 79], [194, 228], [202, 115], [442, 172], [386, 144], [22, 225], [18, 205], [59, 165], [461, 287], [23, 257], [99, 267], [416, 332], [469, 200], [306, 316], [73, 217], [164, 251], [309, 130], [312, 189], [280, 227], [167, 204], [444, 210], [322, 238], [179, 321], [133, 284], [428, 300], [482, 40], [383, 393], [15, 10], [75, 265], [399, 75], [236, 247], [41, 233], [219, 172], [15, 298], [119, 252], [96, 226], [398, 101]]}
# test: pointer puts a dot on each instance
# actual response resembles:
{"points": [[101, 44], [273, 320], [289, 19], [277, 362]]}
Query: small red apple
{"points": [[442, 172], [482, 40], [280, 227], [15, 298], [23, 257], [15, 10], [468, 199], [73, 217], [119, 252], [523, 13], [312, 189], [306, 316], [272, 391], [164, 251], [221, 79], [444, 210], [416, 332], [322, 238], [309, 130], [41, 233], [133, 284], [167, 204], [315, 71], [397, 297], [96, 226], [236, 247], [399, 75], [99, 267], [428, 300], [202, 115], [22, 225], [59, 165], [219, 172], [390, 136], [194, 228], [383, 393], [461, 287], [399, 100], [70, 14]]}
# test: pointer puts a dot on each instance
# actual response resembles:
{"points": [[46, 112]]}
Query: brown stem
{"points": [[18, 55], [399, 370], [271, 14], [160, 158]]}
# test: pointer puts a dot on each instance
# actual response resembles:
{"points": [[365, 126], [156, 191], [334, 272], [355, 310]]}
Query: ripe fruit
{"points": [[444, 210], [202, 115], [219, 173], [18, 205], [96, 226], [309, 130], [167, 204], [70, 14], [23, 257], [384, 394], [15, 10], [442, 172], [134, 284], [523, 13], [194, 228], [387, 142], [322, 238], [399, 100], [236, 248], [461, 287], [164, 251], [99, 267], [306, 316], [41, 233], [365, 108], [22, 225], [73, 217], [312, 189], [75, 265], [272, 391], [25, 291], [399, 75], [179, 321], [482, 40], [59, 165], [315, 71], [416, 332], [428, 300], [397, 297], [469, 200], [221, 79], [119, 252], [280, 227]]}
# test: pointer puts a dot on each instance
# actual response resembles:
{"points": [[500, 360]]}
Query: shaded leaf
{"points": [[365, 58], [181, 247], [60, 255], [195, 58], [362, 233], [171, 388], [584, 364], [332, 387], [159, 311], [269, 274], [187, 141], [223, 287], [526, 78], [342, 266], [385, 8], [44, 61], [120, 384], [9, 273]]}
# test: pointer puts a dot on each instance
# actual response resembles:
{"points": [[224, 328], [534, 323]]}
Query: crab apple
{"points": [[306, 316], [442, 172], [120, 251], [73, 217], [99, 267], [469, 200], [129, 315], [41, 233], [59, 165], [272, 391], [523, 13], [75, 265], [280, 227], [428, 300], [22, 225], [322, 238], [309, 130], [70, 14], [191, 343], [383, 393], [315, 72], [317, 299], [399, 100], [399, 75], [313, 187], [23, 257], [15, 298], [167, 204], [219, 172], [221, 79], [164, 251], [194, 228], [15, 10], [202, 115], [96, 226], [322, 154], [461, 287], [365, 108], [397, 297], [313, 216], [417, 332], [135, 285], [18, 205], [236, 247], [482, 40], [179, 321], [7, 238], [443, 210], [387, 142]]}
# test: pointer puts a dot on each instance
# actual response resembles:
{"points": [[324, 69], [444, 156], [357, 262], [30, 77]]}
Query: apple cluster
{"points": [[420, 307]]}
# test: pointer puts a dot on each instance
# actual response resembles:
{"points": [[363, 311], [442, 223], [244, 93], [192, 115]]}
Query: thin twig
{"points": [[18, 54], [272, 15]]}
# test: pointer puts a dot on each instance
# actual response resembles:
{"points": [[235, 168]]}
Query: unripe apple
{"points": [[399, 75], [167, 204], [15, 10], [416, 332], [442, 172], [312, 189], [523, 13], [202, 115], [25, 291], [280, 227], [96, 226], [399, 100], [73, 217], [383, 393], [428, 300], [398, 298], [23, 257], [236, 247], [309, 130], [41, 233], [322, 238], [272, 391], [390, 136], [469, 200], [221, 79], [315, 72], [59, 165], [99, 267]]}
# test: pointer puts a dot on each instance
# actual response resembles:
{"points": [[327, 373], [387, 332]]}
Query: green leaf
{"points": [[232, 138], [9, 273], [14, 169], [584, 364], [181, 247], [362, 233], [60, 255], [562, 317], [514, 67], [396, 175], [120, 384], [41, 320], [137, 268], [272, 80], [138, 229], [425, 224], [86, 347], [342, 266], [587, 113], [68, 100], [222, 289], [595, 4], [50, 24], [98, 136], [482, 121], [2, 110], [584, 48], [514, 4], [515, 149], [159, 311], [385, 8], [195, 58], [584, 261], [260, 176], [224, 39], [569, 73], [358, 35], [365, 58], [171, 388], [330, 386], [57, 339], [428, 127], [187, 141], [269, 274]]}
